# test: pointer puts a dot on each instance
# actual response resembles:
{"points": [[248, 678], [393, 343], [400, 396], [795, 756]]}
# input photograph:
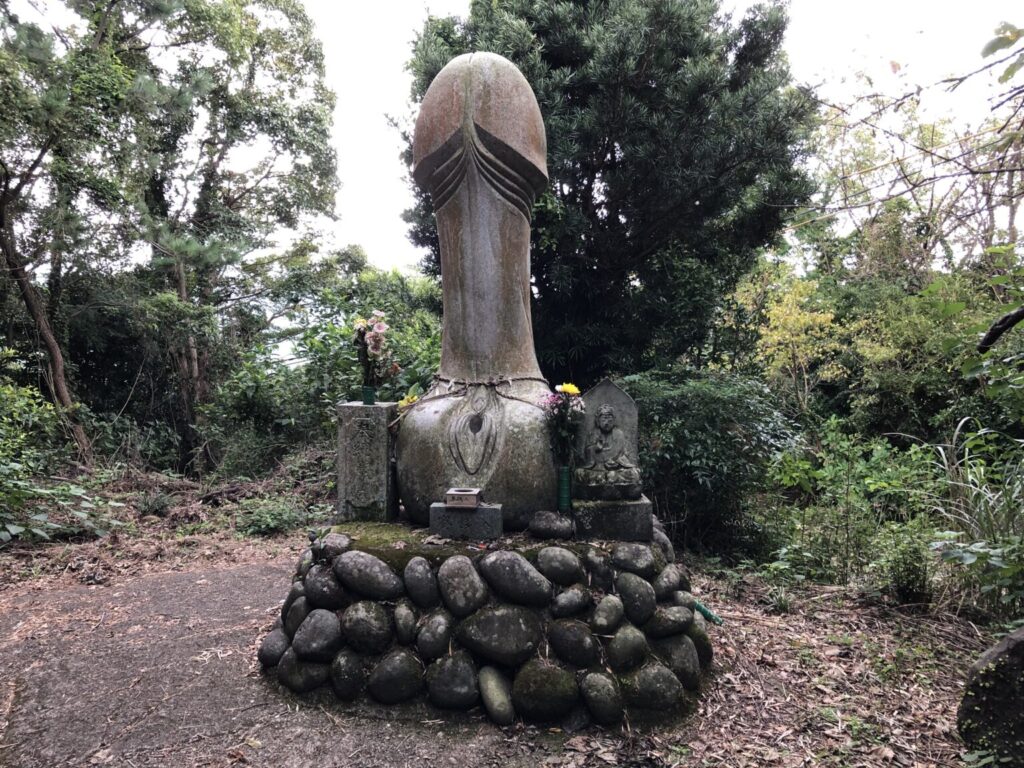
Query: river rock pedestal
{"points": [[563, 635], [366, 477]]}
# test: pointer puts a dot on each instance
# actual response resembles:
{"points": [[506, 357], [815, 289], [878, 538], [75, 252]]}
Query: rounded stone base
{"points": [[542, 633]]}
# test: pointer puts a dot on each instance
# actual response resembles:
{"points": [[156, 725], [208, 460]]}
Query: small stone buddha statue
{"points": [[605, 469]]}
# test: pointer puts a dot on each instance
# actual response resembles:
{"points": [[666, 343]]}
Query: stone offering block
{"points": [[482, 523], [468, 498], [618, 520]]}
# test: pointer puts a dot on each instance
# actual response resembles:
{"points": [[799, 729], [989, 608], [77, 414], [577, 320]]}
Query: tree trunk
{"points": [[56, 378]]}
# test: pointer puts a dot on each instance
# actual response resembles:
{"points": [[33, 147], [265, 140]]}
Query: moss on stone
{"points": [[543, 691]]}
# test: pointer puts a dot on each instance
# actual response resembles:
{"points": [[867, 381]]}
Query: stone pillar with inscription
{"points": [[366, 477]]}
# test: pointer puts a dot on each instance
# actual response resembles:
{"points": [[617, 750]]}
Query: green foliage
{"points": [[266, 517], [705, 443], [982, 491], [412, 305], [843, 490], [31, 508], [673, 137], [981, 500], [903, 561]]}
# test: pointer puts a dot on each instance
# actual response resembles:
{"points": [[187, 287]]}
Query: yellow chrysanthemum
{"points": [[405, 402], [567, 389]]}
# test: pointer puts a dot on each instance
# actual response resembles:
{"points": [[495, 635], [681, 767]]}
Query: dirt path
{"points": [[158, 671], [156, 668]]}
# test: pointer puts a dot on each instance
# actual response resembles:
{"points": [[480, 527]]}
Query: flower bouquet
{"points": [[375, 358], [564, 408]]}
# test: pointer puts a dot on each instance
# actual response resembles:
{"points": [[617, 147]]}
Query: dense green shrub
{"points": [[706, 440], [904, 564], [841, 491]]}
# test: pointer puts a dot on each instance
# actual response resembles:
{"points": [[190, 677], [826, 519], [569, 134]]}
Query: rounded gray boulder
{"points": [[405, 622], [505, 634], [511, 576], [637, 595], [496, 693], [348, 674], [608, 615], [653, 687], [571, 601], [318, 638], [698, 632], [602, 697], [367, 627], [334, 544], [435, 634], [301, 676], [462, 589], [680, 655], [397, 677], [297, 590], [296, 615], [560, 566], [551, 525], [598, 566], [452, 682], [368, 575], [637, 558], [627, 649], [667, 582], [573, 642], [672, 620], [421, 583], [543, 692], [272, 648], [323, 589]]}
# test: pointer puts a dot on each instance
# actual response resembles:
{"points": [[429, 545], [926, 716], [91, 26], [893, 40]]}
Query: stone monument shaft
{"points": [[480, 151]]}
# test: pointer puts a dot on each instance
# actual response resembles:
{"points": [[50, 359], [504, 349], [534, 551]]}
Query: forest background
{"points": [[813, 303]]}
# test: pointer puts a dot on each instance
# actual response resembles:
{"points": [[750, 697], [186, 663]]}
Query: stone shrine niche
{"points": [[607, 459]]}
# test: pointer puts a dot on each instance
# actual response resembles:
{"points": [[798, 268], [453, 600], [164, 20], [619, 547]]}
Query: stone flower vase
{"points": [[564, 488], [369, 395]]}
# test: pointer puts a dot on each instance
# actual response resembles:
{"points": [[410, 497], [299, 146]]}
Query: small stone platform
{"points": [[619, 520], [574, 634]]}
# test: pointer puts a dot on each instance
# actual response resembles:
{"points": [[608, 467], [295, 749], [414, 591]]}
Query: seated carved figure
{"points": [[605, 469]]}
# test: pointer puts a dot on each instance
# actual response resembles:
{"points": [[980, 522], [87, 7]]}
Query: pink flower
{"points": [[380, 327]]}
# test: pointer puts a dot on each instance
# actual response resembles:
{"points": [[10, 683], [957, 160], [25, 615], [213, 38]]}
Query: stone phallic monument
{"points": [[610, 503], [571, 633], [479, 150]]}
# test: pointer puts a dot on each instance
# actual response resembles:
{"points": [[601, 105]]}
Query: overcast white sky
{"points": [[828, 42]]}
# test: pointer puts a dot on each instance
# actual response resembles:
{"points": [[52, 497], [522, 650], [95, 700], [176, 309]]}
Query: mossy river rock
{"points": [[506, 634], [572, 635]]}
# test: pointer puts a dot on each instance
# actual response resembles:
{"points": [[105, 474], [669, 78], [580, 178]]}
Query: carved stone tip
{"points": [[481, 91]]}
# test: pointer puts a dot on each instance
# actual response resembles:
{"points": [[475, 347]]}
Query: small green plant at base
{"points": [[157, 504], [780, 602], [265, 517]]}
